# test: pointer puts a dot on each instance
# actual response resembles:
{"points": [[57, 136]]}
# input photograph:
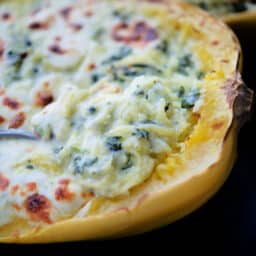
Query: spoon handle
{"points": [[17, 134]]}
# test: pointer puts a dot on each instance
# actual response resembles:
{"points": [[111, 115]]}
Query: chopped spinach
{"points": [[167, 106], [27, 42], [76, 149], [181, 92], [148, 122], [200, 75], [186, 61], [184, 64], [163, 46], [124, 17], [90, 161], [80, 163], [78, 122], [38, 130], [129, 163], [13, 58], [95, 77], [78, 169], [44, 132], [114, 143], [98, 34], [120, 73], [17, 51], [141, 134], [57, 150], [92, 110], [189, 99], [139, 92], [14, 61], [30, 166], [147, 67], [121, 54], [35, 70]]}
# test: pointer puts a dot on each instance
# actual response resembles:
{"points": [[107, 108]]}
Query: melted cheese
{"points": [[107, 88]]}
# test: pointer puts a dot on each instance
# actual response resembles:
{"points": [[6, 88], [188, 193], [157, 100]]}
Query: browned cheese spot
{"points": [[38, 207], [16, 206], [64, 182], [65, 12], [14, 189], [139, 32], [57, 38], [4, 182], [215, 42], [91, 66], [217, 126], [6, 16], [2, 92], [62, 193], [11, 103], [38, 25], [2, 120], [87, 195], [43, 98], [55, 48], [88, 13], [76, 26], [31, 186], [1, 49], [17, 121]]}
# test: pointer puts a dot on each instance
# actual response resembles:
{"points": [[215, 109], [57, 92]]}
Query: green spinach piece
{"points": [[92, 109], [189, 99], [200, 75], [120, 73], [17, 51], [80, 163], [163, 46], [121, 54], [129, 162], [114, 143], [141, 134], [185, 63]]}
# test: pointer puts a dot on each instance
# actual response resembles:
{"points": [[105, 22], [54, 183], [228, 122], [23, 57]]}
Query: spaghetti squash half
{"points": [[136, 107]]}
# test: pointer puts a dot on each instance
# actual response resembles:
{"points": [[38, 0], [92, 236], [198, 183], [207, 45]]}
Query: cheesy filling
{"points": [[109, 90]]}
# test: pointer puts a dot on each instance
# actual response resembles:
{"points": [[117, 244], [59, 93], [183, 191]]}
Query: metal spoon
{"points": [[17, 134]]}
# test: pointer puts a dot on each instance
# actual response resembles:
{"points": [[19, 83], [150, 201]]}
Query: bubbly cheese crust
{"points": [[112, 89]]}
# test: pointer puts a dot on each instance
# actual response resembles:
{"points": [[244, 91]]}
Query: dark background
{"points": [[229, 215]]}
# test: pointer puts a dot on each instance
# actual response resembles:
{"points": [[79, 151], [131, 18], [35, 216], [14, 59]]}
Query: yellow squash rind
{"points": [[241, 19]]}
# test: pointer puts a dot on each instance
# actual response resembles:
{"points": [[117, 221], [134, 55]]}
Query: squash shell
{"points": [[244, 19]]}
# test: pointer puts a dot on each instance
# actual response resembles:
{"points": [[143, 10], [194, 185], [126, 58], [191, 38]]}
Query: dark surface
{"points": [[229, 215]]}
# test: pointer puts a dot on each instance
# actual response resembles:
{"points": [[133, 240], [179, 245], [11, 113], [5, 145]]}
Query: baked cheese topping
{"points": [[110, 89]]}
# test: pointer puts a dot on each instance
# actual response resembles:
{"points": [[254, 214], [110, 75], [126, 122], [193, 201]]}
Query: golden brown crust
{"points": [[243, 19]]}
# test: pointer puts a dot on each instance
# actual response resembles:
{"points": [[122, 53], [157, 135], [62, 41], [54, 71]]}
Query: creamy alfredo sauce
{"points": [[109, 90]]}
